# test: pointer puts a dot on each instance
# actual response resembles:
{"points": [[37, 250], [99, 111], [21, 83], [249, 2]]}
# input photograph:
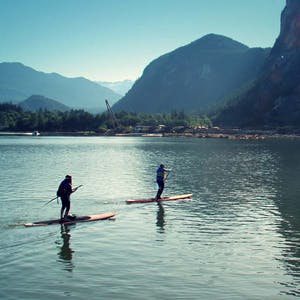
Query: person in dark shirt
{"points": [[161, 176], [64, 192]]}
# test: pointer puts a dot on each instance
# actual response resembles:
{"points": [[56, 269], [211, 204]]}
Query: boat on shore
{"points": [[35, 133]]}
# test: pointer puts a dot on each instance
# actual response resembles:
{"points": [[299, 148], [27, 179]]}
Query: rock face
{"points": [[274, 99], [194, 77]]}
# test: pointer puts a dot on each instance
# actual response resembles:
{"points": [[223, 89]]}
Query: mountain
{"points": [[120, 87], [37, 102], [274, 98], [194, 77], [18, 82]]}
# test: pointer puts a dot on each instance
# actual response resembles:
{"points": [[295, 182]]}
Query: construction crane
{"points": [[111, 115]]}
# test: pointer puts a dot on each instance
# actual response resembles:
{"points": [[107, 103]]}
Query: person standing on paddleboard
{"points": [[64, 192], [161, 176]]}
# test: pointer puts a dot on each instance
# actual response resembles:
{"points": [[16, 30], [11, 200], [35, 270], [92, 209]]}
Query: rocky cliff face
{"points": [[274, 100], [289, 38]]}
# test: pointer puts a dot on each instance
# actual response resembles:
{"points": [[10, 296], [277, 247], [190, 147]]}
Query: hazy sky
{"points": [[111, 40]]}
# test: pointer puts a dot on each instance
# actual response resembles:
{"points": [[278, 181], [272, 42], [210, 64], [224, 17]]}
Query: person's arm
{"points": [[166, 173], [69, 189], [76, 188]]}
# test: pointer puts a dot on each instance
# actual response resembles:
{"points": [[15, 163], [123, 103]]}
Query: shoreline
{"points": [[236, 134]]}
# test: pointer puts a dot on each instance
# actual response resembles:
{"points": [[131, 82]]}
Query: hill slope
{"points": [[37, 102], [194, 77], [18, 82]]}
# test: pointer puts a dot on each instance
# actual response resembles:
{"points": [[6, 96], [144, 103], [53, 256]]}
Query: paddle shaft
{"points": [[168, 172], [50, 200], [74, 190]]}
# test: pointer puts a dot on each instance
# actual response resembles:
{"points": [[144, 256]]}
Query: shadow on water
{"points": [[65, 253], [160, 218]]}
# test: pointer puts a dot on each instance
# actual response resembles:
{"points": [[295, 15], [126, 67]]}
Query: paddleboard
{"points": [[78, 219], [171, 198]]}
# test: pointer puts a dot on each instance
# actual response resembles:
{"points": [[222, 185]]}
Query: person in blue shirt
{"points": [[161, 176]]}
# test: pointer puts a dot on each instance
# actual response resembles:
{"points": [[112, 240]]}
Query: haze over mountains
{"points": [[120, 87], [18, 82]]}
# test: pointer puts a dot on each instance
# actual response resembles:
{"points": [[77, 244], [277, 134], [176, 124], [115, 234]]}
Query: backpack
{"points": [[61, 191]]}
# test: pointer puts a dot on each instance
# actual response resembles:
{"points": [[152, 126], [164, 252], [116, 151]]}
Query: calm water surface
{"points": [[238, 238]]}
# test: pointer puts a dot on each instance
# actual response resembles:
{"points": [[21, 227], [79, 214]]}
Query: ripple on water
{"points": [[237, 238]]}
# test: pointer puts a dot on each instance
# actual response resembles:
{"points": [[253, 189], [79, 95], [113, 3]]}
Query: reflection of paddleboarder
{"points": [[160, 222], [66, 253], [161, 176]]}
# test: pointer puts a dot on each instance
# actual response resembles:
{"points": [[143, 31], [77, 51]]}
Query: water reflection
{"points": [[249, 192], [238, 236], [287, 201], [160, 219], [66, 253]]}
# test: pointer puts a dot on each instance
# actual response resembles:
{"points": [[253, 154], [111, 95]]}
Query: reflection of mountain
{"points": [[246, 200], [288, 203], [66, 253]]}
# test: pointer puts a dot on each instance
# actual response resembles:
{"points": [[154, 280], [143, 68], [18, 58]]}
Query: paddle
{"points": [[50, 200], [74, 190], [168, 172]]}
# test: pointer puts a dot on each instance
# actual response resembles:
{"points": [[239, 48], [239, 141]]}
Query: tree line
{"points": [[14, 118]]}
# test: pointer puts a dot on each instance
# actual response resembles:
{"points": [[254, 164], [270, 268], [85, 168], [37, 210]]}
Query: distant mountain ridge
{"points": [[18, 82], [194, 77], [38, 102]]}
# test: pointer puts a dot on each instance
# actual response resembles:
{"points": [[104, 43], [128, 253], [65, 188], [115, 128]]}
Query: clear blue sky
{"points": [[111, 40]]}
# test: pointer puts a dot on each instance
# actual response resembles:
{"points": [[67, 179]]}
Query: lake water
{"points": [[237, 238]]}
